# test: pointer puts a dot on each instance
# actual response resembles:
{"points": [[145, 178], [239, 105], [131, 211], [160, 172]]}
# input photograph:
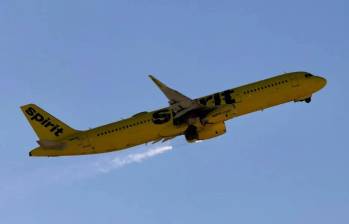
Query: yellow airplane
{"points": [[196, 119]]}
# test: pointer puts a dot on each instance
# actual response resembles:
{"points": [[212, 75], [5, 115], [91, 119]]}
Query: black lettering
{"points": [[59, 131], [30, 111], [161, 116], [49, 124], [37, 117], [217, 99], [54, 128], [45, 121], [204, 100], [227, 96]]}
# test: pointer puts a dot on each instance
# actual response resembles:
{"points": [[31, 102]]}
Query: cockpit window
{"points": [[308, 75]]}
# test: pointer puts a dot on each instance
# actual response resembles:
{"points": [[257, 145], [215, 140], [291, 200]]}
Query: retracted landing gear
{"points": [[308, 100], [305, 99]]}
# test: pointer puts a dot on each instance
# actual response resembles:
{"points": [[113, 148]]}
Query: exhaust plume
{"points": [[118, 161]]}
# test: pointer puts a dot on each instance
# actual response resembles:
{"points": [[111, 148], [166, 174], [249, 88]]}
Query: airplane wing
{"points": [[191, 111], [173, 95], [180, 103]]}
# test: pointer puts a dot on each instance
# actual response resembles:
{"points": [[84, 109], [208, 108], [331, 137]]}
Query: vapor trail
{"points": [[67, 171], [118, 161]]}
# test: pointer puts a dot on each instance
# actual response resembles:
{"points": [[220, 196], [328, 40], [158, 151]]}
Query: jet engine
{"points": [[193, 134]]}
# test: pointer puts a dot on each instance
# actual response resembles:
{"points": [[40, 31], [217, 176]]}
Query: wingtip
{"points": [[151, 77], [156, 81]]}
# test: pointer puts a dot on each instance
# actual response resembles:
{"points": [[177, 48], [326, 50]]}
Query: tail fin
{"points": [[46, 126]]}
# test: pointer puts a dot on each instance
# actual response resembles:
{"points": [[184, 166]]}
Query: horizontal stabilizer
{"points": [[47, 144]]}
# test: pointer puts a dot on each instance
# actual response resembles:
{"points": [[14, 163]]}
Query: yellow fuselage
{"points": [[151, 126]]}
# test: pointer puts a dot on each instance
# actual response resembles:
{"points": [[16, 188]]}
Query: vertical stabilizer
{"points": [[46, 126]]}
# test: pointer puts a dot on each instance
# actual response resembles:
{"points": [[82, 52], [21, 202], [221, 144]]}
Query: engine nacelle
{"points": [[193, 134], [219, 114]]}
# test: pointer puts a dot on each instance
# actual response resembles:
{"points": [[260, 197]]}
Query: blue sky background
{"points": [[87, 62]]}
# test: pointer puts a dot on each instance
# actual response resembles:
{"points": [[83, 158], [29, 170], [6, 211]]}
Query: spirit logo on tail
{"points": [[46, 122]]}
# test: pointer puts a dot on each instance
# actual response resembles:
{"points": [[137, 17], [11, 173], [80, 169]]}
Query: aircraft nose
{"points": [[321, 82]]}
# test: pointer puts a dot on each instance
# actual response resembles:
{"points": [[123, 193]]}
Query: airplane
{"points": [[197, 119]]}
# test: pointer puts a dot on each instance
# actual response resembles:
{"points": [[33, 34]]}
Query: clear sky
{"points": [[87, 62]]}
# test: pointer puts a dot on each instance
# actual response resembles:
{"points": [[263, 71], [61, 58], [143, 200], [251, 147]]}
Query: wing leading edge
{"points": [[180, 103]]}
